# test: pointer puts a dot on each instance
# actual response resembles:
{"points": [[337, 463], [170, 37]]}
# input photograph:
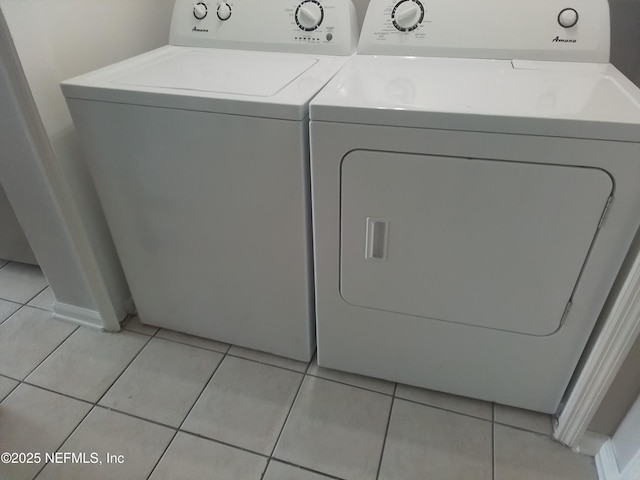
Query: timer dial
{"points": [[200, 10], [223, 11], [407, 15], [309, 15], [568, 17]]}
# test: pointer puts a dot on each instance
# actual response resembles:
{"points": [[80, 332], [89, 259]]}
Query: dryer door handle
{"points": [[377, 235]]}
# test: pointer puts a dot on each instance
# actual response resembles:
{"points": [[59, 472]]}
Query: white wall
{"points": [[626, 441], [625, 37], [13, 242], [620, 396], [55, 40], [26, 184], [361, 8]]}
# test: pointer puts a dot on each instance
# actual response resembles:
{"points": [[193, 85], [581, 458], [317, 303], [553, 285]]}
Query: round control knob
{"points": [[309, 15], [199, 10], [407, 15], [223, 11], [568, 17]]}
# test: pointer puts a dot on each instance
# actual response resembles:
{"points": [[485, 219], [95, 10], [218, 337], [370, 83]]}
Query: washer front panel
{"points": [[488, 243], [210, 218]]}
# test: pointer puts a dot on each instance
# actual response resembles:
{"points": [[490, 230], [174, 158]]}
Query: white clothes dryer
{"points": [[199, 154], [475, 173]]}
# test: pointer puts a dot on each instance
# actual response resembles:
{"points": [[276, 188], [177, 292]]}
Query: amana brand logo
{"points": [[196, 29], [563, 40]]}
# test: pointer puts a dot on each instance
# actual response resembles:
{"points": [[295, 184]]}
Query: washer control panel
{"points": [[308, 26], [562, 30]]}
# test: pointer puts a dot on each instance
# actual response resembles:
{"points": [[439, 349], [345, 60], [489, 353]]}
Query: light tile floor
{"points": [[148, 403]]}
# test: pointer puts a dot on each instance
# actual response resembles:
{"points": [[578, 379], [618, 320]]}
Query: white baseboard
{"points": [[77, 315], [606, 463], [590, 443], [608, 468], [632, 472]]}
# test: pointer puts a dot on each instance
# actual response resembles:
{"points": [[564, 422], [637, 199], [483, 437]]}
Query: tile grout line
{"points": [[51, 352], [19, 308], [10, 377], [226, 444], [386, 430], [40, 308], [66, 395], [179, 429], [175, 433], [123, 370], [493, 440], [444, 409], [307, 469], [15, 302], [94, 404], [11, 300], [493, 451], [226, 352], [266, 467], [65, 440], [286, 418], [268, 364], [10, 391], [31, 299], [187, 344], [522, 429], [351, 384]]}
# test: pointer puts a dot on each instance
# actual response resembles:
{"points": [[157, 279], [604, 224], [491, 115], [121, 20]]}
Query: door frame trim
{"points": [[619, 331]]}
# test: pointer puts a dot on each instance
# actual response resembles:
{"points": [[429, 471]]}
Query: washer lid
{"points": [[582, 100], [257, 84], [220, 71]]}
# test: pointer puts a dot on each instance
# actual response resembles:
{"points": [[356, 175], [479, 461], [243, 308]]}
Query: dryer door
{"points": [[494, 244]]}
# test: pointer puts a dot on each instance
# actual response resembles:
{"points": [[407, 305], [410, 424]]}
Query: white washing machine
{"points": [[475, 173], [199, 153]]}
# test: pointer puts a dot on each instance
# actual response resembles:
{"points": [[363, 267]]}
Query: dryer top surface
{"points": [[583, 100]]}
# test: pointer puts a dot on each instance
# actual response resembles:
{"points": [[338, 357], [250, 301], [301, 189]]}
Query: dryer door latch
{"points": [[607, 206], [565, 314]]}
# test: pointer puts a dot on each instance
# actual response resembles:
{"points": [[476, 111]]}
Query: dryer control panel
{"points": [[326, 27], [560, 30]]}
